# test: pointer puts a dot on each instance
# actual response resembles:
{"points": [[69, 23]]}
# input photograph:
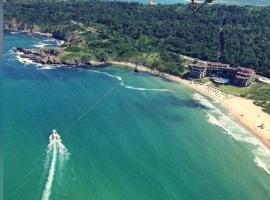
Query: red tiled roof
{"points": [[244, 73], [246, 70]]}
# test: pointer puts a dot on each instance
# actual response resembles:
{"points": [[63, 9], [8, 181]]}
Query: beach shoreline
{"points": [[244, 111], [250, 118]]}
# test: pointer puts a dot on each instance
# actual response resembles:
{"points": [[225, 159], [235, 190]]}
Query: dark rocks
{"points": [[69, 62], [60, 35], [63, 35], [136, 70], [52, 56]]}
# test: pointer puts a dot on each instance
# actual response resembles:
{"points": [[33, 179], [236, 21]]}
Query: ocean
{"points": [[147, 138]]}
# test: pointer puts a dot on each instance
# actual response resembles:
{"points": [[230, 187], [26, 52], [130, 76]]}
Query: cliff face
{"points": [[15, 25], [63, 35], [46, 55]]}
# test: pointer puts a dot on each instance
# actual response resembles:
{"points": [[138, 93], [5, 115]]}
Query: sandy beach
{"points": [[243, 110]]}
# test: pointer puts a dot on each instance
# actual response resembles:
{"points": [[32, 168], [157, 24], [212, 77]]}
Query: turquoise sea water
{"points": [[227, 2], [149, 139]]}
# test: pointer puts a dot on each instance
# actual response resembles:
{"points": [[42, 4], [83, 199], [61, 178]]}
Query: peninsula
{"points": [[136, 40]]}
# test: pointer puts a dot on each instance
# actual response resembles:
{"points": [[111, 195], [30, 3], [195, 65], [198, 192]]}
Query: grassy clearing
{"points": [[256, 91], [186, 62], [75, 56], [238, 91], [150, 59], [259, 92], [205, 80]]}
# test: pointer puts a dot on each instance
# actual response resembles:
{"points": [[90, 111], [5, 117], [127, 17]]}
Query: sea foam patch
{"points": [[40, 45], [234, 130], [27, 61], [60, 42]]}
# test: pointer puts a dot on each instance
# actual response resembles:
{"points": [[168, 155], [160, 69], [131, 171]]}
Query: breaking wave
{"points": [[60, 42], [48, 67], [107, 74], [25, 61], [146, 89], [49, 40], [40, 45], [262, 161], [234, 130], [119, 78]]}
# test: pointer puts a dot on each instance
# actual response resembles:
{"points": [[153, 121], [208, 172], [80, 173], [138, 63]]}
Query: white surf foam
{"points": [[48, 67], [119, 78], [40, 45], [25, 61], [203, 101], [22, 60], [107, 74], [50, 40], [60, 42], [146, 89], [234, 130], [262, 165]]}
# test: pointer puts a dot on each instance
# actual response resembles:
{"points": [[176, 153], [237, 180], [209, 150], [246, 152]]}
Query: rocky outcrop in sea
{"points": [[52, 56]]}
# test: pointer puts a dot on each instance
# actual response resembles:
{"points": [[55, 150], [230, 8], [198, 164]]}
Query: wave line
{"points": [[128, 86], [234, 130]]}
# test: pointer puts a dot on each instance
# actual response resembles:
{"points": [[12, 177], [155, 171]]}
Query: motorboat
{"points": [[54, 136]]}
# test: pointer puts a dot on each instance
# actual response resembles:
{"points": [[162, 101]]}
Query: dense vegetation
{"points": [[134, 32]]}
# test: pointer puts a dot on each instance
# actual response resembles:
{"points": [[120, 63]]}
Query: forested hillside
{"points": [[134, 32]]}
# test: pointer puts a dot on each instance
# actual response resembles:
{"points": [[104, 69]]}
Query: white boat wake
{"points": [[57, 153]]}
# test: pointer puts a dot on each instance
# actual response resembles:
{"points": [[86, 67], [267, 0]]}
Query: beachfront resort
{"points": [[222, 73]]}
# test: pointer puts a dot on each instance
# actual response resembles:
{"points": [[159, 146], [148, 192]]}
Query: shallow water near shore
{"points": [[150, 138]]}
